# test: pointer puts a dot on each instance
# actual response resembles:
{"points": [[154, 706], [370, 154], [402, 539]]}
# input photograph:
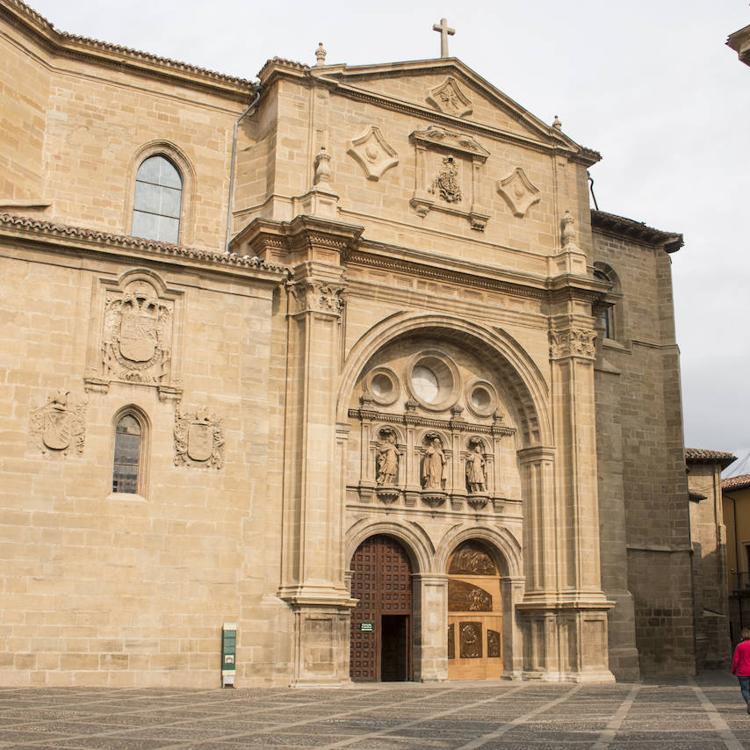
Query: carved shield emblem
{"points": [[57, 430], [137, 336], [200, 442]]}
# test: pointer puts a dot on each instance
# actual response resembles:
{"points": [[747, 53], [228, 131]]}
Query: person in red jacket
{"points": [[741, 665]]}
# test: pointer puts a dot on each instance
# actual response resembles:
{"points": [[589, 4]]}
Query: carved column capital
{"points": [[572, 342], [316, 296]]}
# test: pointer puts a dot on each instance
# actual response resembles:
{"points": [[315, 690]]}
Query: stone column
{"points": [[430, 636], [512, 589]]}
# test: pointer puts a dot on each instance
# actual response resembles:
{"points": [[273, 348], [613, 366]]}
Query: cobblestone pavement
{"points": [[706, 714]]}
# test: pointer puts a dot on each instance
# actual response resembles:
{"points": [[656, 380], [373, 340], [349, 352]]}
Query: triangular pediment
{"points": [[447, 88]]}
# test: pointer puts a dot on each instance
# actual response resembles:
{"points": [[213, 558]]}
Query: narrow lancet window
{"points": [[158, 200], [127, 464]]}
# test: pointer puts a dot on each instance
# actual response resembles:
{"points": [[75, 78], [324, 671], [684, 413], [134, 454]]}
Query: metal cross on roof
{"points": [[445, 32]]}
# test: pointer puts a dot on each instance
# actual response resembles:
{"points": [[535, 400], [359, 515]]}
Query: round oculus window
{"points": [[481, 398], [425, 383], [382, 386]]}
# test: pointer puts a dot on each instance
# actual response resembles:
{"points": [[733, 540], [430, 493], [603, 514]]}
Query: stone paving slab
{"points": [[707, 714]]}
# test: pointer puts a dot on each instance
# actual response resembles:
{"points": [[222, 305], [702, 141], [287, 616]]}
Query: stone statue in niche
{"points": [[446, 183], [387, 461], [59, 425], [433, 465], [476, 479]]}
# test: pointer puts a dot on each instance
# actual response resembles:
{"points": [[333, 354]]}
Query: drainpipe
{"points": [[230, 197], [736, 558]]}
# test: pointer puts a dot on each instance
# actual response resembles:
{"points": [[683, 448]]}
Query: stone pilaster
{"points": [[430, 628]]}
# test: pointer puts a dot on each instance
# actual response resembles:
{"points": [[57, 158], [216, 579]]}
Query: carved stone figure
{"points": [[320, 55], [433, 465], [476, 479], [387, 461], [198, 439], [59, 425], [449, 98], [446, 183]]}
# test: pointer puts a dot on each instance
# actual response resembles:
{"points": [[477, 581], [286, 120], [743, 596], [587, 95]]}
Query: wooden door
{"points": [[381, 621], [475, 619]]}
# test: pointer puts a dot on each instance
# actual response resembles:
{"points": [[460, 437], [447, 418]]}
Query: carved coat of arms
{"points": [[59, 425], [137, 333], [198, 439], [446, 183]]}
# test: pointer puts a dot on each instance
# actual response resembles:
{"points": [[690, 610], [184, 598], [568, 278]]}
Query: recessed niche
{"points": [[481, 398], [383, 386]]}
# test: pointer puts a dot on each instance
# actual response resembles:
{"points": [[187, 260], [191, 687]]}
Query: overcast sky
{"points": [[648, 83]]}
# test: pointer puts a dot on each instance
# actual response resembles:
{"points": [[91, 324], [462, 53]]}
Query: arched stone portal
{"points": [[382, 623]]}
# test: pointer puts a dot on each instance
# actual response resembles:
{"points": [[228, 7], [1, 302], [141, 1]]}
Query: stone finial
{"points": [[322, 167], [568, 233], [556, 123], [320, 55]]}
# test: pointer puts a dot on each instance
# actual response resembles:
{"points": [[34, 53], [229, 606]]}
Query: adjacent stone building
{"points": [[342, 358]]}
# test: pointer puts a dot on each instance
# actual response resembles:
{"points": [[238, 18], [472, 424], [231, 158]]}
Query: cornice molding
{"points": [[79, 238], [74, 45]]}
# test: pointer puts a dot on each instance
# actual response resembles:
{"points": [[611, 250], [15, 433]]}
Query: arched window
{"points": [[127, 472], [158, 200], [606, 315]]}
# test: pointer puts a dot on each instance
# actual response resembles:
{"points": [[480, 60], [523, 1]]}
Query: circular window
{"points": [[425, 384], [482, 399], [383, 385], [433, 380]]}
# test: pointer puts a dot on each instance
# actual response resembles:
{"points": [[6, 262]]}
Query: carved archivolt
{"points": [[449, 98], [59, 426], [573, 342], [137, 324], [373, 153], [518, 191], [198, 439]]}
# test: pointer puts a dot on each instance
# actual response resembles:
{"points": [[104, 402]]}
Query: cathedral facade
{"points": [[341, 359]]}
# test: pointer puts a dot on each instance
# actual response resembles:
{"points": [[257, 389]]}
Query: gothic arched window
{"points": [[127, 471], [158, 200]]}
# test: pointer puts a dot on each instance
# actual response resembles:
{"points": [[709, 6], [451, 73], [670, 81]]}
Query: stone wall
{"points": [[639, 404]]}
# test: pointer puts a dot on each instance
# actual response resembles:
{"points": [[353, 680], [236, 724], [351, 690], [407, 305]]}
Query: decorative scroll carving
{"points": [[136, 345], [137, 342], [412, 418], [493, 644], [453, 156], [572, 342], [471, 558], [59, 425], [446, 184], [311, 295], [471, 640], [388, 459], [449, 98], [518, 191], [198, 439], [451, 641], [373, 153], [466, 597]]}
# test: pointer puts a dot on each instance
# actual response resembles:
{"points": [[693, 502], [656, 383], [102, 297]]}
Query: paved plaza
{"points": [[703, 715]]}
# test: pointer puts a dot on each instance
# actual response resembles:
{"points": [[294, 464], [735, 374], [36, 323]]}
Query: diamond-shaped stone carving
{"points": [[518, 191], [449, 98], [373, 153]]}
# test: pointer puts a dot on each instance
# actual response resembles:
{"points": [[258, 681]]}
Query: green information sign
{"points": [[367, 627]]}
